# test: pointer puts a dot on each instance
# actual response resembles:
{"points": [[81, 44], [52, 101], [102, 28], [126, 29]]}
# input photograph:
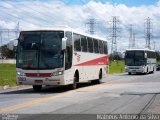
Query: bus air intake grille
{"points": [[38, 74]]}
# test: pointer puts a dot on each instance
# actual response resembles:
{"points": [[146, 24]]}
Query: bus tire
{"points": [[37, 88], [152, 71], [75, 80], [99, 81], [129, 73], [146, 71]]}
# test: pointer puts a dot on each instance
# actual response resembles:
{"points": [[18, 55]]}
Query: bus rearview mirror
{"points": [[145, 55], [64, 43], [16, 42]]}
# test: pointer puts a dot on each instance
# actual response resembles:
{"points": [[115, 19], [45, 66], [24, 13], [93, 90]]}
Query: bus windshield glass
{"points": [[135, 58], [40, 50]]}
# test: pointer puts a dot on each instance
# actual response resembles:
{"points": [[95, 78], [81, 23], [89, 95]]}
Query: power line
{"points": [[22, 19], [29, 8], [18, 8]]}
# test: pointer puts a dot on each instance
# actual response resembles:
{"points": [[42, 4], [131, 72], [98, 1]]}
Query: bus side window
{"points": [[90, 45], [100, 47], [83, 43], [77, 42], [105, 47], [95, 46]]}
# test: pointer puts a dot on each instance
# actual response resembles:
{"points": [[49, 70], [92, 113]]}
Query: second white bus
{"points": [[140, 61]]}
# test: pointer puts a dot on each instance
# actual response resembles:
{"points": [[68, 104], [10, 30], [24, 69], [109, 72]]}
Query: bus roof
{"points": [[141, 49], [65, 28]]}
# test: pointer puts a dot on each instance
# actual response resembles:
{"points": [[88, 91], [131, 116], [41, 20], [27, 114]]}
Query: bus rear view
{"points": [[140, 61]]}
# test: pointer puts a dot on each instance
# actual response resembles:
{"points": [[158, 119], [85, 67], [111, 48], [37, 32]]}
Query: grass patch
{"points": [[7, 74], [158, 62], [116, 67]]}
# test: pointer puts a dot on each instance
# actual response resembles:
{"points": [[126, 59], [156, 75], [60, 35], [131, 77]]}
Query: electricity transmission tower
{"points": [[114, 33], [8, 35], [131, 35], [133, 45], [148, 32], [91, 25], [154, 45], [9, 31]]}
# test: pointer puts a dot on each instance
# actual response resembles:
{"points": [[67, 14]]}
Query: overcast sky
{"points": [[75, 13]]}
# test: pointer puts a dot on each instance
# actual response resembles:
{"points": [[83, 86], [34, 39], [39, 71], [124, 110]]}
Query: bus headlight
{"points": [[126, 68], [20, 73], [57, 73], [143, 67]]}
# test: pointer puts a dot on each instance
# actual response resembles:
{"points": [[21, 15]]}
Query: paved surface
{"points": [[118, 94]]}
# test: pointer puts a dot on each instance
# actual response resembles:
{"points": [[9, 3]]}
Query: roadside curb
{"points": [[7, 87], [1, 88]]}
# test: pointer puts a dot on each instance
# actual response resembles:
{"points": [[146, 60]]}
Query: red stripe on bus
{"points": [[38, 74], [99, 61]]}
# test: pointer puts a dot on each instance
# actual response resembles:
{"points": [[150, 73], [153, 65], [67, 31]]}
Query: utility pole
{"points": [[91, 25], [148, 32]]}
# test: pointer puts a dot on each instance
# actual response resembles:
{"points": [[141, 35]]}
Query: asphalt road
{"points": [[118, 94]]}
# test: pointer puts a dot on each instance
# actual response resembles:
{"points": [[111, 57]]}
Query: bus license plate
{"points": [[38, 81]]}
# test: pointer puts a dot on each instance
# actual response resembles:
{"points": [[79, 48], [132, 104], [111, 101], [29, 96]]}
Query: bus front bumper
{"points": [[56, 80], [135, 70]]}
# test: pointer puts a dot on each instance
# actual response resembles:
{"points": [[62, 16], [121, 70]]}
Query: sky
{"points": [[82, 2], [75, 13], [126, 2]]}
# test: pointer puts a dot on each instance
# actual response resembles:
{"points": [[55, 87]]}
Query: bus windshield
{"points": [[40, 50], [135, 58]]}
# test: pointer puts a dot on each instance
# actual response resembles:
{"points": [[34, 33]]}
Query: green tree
{"points": [[7, 52], [158, 55]]}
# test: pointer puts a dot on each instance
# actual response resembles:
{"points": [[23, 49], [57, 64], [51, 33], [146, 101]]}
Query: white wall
{"points": [[11, 61]]}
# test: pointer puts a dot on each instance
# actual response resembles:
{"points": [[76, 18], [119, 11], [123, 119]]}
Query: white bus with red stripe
{"points": [[60, 56]]}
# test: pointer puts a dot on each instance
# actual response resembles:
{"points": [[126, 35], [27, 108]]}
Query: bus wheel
{"points": [[129, 73], [37, 88], [74, 85], [100, 78], [146, 72], [152, 71]]}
